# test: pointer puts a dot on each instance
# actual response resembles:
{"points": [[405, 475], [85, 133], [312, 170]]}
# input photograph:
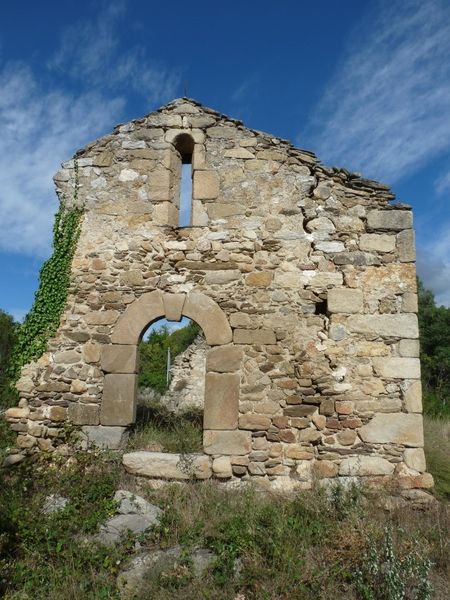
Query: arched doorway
{"points": [[119, 359]]}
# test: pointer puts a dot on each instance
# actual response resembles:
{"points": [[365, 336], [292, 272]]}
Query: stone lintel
{"points": [[173, 306]]}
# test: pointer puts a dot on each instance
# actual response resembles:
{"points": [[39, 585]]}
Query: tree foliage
{"points": [[434, 323], [153, 353], [7, 340]]}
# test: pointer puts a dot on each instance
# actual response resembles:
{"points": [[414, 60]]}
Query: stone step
{"points": [[164, 465]]}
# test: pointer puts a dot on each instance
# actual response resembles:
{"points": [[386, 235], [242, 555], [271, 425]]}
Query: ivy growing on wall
{"points": [[42, 321]]}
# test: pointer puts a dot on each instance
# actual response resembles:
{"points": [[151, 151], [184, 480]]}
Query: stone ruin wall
{"points": [[312, 269], [187, 383]]}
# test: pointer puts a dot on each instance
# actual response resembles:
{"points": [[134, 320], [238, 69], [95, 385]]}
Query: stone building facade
{"points": [[301, 276]]}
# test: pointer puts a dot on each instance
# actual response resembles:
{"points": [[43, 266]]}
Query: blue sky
{"points": [[366, 85]]}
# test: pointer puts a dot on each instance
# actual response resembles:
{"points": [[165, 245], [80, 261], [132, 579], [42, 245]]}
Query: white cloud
{"points": [[387, 110], [90, 51], [442, 183], [44, 123], [39, 129]]}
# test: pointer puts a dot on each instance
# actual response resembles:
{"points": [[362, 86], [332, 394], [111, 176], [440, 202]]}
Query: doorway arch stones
{"points": [[119, 360]]}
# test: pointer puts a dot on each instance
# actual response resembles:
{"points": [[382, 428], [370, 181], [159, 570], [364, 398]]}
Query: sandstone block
{"points": [[233, 443], [365, 465], [222, 277], [415, 459], [397, 367], [406, 245], [119, 400], [224, 359], [387, 325], [67, 357], [397, 428], [409, 348], [221, 401], [173, 306], [259, 279], [119, 358], [254, 336], [221, 467], [91, 352], [300, 410], [101, 317], [238, 153], [165, 213], [223, 211], [17, 413], [209, 316], [309, 435], [410, 302], [412, 396], [343, 300], [84, 414], [78, 387], [163, 465], [392, 220], [325, 469], [137, 316], [57, 414], [372, 242], [205, 185], [254, 422]]}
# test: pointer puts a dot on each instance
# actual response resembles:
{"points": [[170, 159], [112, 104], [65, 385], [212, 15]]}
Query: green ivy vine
{"points": [[42, 322]]}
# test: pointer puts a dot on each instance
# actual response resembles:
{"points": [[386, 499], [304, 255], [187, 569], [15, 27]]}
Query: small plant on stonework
{"points": [[384, 575], [344, 499]]}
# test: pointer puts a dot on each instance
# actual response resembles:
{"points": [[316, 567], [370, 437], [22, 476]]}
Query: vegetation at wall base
{"points": [[266, 547]]}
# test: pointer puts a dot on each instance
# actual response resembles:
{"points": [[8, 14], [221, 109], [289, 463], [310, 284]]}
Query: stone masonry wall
{"points": [[312, 267]]}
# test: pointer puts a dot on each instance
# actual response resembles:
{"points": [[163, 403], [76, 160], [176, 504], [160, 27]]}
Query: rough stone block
{"points": [[254, 336], [388, 325], [91, 352], [224, 359], [222, 277], [221, 401], [101, 317], [397, 428], [343, 300], [222, 467], [392, 220], [205, 185], [119, 400], [412, 396], [406, 245], [373, 242], [409, 348], [397, 367], [366, 465], [254, 422], [233, 443], [119, 358], [259, 279], [162, 465], [223, 211], [173, 306], [84, 414]]}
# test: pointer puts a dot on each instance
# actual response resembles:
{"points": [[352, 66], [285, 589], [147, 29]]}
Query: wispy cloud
{"points": [[387, 110], [91, 52], [433, 265], [43, 120]]}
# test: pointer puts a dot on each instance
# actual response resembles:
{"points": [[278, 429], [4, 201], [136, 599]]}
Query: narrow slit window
{"points": [[185, 196], [185, 147]]}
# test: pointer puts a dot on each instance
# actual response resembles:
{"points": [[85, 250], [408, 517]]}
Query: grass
{"points": [[268, 547], [158, 429], [437, 451]]}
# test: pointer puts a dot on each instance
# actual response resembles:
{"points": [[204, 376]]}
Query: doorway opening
{"points": [[171, 384]]}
